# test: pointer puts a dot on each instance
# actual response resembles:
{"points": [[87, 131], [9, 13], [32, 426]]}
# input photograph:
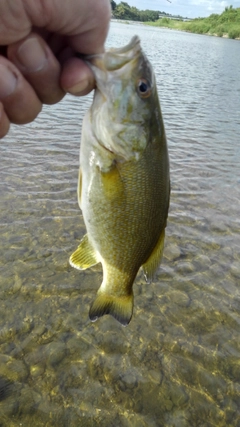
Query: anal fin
{"points": [[151, 265], [85, 256]]}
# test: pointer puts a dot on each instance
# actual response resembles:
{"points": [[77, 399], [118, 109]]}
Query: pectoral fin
{"points": [[119, 307], [150, 267], [112, 184], [85, 256]]}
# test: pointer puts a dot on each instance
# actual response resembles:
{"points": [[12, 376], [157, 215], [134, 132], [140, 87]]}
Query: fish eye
{"points": [[144, 88]]}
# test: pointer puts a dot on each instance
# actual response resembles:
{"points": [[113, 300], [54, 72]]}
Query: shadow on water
{"points": [[177, 363]]}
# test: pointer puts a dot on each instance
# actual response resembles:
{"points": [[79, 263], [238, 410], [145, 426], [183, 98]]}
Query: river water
{"points": [[177, 364]]}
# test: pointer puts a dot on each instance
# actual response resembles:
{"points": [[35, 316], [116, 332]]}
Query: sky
{"points": [[185, 8]]}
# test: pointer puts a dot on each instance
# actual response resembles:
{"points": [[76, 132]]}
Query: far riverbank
{"points": [[195, 27], [226, 25]]}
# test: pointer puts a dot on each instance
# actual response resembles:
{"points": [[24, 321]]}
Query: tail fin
{"points": [[119, 307]]}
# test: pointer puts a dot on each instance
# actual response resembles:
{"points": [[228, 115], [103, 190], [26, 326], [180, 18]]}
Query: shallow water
{"points": [[178, 362]]}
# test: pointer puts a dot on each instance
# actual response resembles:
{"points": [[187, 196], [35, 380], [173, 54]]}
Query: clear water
{"points": [[178, 362]]}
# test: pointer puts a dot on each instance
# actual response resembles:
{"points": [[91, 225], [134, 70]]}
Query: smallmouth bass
{"points": [[124, 184]]}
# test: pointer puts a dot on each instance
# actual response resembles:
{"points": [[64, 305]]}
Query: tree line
{"points": [[124, 11]]}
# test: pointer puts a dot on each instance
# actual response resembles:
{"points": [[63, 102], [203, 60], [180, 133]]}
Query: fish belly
{"points": [[125, 210]]}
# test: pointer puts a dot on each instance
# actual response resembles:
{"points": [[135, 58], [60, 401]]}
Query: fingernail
{"points": [[8, 82], [79, 87], [31, 55]]}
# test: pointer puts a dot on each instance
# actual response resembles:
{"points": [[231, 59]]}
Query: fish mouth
{"points": [[135, 41], [114, 58]]}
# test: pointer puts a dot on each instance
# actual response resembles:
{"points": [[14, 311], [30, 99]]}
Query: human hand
{"points": [[38, 41]]}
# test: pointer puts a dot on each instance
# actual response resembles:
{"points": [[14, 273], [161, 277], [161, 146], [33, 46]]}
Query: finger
{"points": [[39, 66], [84, 22], [4, 122], [18, 98], [77, 78]]}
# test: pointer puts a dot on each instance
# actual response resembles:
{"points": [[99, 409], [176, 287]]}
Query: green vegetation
{"points": [[124, 11], [227, 24]]}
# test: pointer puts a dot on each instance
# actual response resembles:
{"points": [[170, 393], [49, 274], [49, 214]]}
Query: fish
{"points": [[124, 180]]}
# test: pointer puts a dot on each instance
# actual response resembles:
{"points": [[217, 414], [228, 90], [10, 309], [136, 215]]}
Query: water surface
{"points": [[178, 362]]}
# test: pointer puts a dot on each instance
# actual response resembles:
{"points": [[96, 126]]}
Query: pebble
{"points": [[37, 370], [203, 260], [155, 376], [227, 251], [179, 396], [17, 284], [172, 252], [185, 267], [168, 405], [179, 298], [235, 371], [129, 379], [8, 408], [86, 407], [28, 400], [13, 369], [77, 345], [55, 352], [136, 420], [235, 269]]}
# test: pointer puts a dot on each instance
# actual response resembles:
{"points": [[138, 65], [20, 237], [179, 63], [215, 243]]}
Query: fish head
{"points": [[124, 101]]}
